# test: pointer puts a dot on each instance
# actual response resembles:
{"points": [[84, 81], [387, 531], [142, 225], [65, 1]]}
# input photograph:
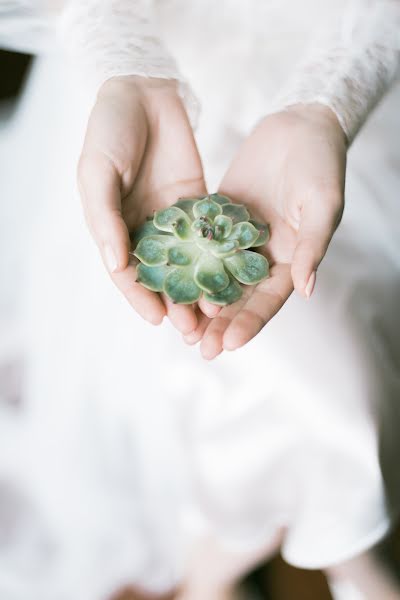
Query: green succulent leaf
{"points": [[186, 204], [200, 223], [237, 212], [225, 248], [199, 245], [247, 267], [245, 233], [148, 228], [220, 199], [210, 274], [152, 277], [206, 208], [182, 255], [218, 249], [223, 226], [228, 295], [204, 244], [263, 233], [180, 287], [182, 229], [167, 219], [153, 250]]}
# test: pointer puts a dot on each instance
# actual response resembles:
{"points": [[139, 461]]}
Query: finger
{"points": [[146, 303], [318, 222], [211, 345], [176, 174], [196, 335], [101, 198], [182, 316], [209, 309], [182, 176], [99, 184], [212, 342], [264, 302]]}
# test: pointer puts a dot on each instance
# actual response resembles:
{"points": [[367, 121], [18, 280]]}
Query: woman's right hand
{"points": [[139, 155]]}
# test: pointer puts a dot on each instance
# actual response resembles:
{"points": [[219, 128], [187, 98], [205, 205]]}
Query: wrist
{"points": [[137, 85], [320, 115]]}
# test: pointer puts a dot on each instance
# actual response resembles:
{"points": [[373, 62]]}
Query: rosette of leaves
{"points": [[201, 246]]}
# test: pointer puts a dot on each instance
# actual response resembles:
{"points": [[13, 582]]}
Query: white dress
{"points": [[129, 444]]}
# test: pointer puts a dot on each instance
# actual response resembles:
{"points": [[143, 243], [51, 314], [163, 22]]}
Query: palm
{"points": [[291, 177], [141, 156], [168, 166], [235, 325]]}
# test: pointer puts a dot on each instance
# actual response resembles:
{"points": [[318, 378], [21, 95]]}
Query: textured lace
{"points": [[116, 38], [348, 68], [351, 65]]}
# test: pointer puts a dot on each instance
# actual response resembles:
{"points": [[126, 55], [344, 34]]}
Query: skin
{"points": [[140, 155], [290, 172]]}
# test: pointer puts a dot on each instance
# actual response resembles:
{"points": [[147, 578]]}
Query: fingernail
{"points": [[191, 338], [109, 258], [310, 285]]}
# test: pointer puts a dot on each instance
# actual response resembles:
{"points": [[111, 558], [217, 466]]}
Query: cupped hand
{"points": [[139, 155], [290, 172]]}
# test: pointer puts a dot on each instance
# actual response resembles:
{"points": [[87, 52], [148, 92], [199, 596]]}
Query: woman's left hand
{"points": [[290, 172]]}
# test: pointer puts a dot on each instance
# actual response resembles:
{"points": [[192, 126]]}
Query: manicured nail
{"points": [[191, 338], [109, 257], [310, 285]]}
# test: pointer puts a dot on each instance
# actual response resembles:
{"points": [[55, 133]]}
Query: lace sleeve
{"points": [[351, 64], [108, 38]]}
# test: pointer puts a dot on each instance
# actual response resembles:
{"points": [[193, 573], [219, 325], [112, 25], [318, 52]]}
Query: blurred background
{"points": [[14, 69], [275, 580]]}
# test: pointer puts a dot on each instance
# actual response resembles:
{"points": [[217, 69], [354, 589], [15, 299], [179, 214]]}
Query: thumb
{"points": [[319, 220], [99, 185]]}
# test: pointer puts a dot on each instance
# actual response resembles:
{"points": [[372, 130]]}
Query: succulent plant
{"points": [[201, 246]]}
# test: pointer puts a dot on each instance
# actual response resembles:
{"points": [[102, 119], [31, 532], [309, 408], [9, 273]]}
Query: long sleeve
{"points": [[351, 64], [108, 38]]}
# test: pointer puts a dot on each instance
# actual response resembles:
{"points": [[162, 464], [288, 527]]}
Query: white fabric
{"points": [[351, 62], [344, 590], [127, 432], [109, 38], [27, 26]]}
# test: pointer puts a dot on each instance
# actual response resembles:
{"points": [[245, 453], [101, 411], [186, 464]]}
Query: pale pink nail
{"points": [[310, 284], [109, 258]]}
